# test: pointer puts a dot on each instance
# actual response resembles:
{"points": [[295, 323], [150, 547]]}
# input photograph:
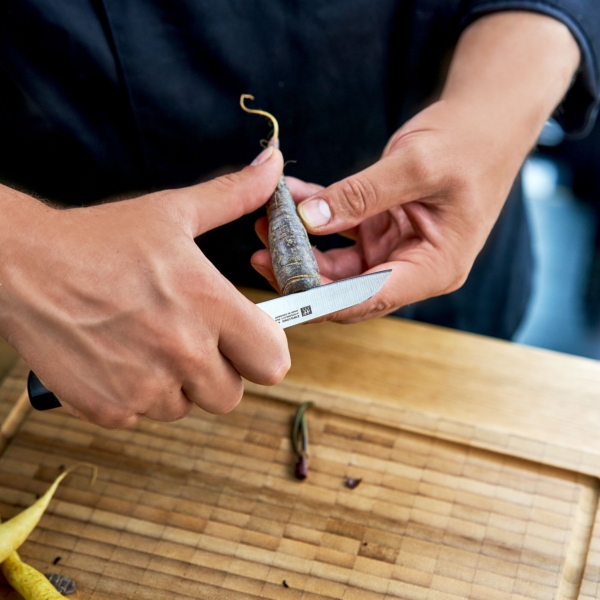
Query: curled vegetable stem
{"points": [[254, 111]]}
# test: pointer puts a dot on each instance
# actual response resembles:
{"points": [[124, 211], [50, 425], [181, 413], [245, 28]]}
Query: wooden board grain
{"points": [[478, 391], [208, 508]]}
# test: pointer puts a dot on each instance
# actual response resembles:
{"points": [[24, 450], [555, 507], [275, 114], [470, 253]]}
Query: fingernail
{"points": [[262, 157], [258, 268], [315, 213]]}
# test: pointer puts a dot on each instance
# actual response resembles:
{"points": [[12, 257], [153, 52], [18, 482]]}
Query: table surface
{"points": [[479, 458]]}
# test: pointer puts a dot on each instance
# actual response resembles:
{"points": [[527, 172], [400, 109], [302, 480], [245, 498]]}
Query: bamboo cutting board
{"points": [[479, 480]]}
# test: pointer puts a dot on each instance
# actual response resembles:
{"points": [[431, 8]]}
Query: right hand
{"points": [[119, 313]]}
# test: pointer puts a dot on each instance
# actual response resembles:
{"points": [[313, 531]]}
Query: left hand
{"points": [[423, 210], [426, 208]]}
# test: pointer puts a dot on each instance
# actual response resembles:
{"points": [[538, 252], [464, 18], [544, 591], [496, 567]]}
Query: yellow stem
{"points": [[253, 111]]}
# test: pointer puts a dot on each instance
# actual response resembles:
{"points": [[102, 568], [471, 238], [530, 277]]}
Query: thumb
{"points": [[393, 180], [227, 198]]}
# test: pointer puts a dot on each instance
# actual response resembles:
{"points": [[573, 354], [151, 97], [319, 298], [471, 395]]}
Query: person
{"points": [[116, 308]]}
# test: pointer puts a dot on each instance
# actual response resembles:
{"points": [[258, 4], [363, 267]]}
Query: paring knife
{"points": [[286, 310]]}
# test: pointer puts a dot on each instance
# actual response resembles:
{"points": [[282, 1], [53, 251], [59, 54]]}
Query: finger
{"points": [[147, 397], [109, 417], [214, 385], [261, 227], [394, 180], [341, 263], [336, 264], [301, 190], [262, 264], [172, 407], [350, 234], [410, 281], [224, 199], [254, 343]]}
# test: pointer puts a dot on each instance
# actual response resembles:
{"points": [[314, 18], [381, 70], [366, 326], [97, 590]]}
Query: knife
{"points": [[286, 310]]}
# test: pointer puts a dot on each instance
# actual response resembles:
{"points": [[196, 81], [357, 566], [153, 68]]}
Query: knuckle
{"points": [[457, 181], [382, 306], [356, 195], [191, 356], [183, 412], [171, 413], [129, 421], [116, 419], [227, 403], [190, 360], [421, 166], [225, 183], [458, 272], [143, 393], [457, 281]]}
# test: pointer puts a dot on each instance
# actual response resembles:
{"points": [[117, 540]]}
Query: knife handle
{"points": [[40, 397]]}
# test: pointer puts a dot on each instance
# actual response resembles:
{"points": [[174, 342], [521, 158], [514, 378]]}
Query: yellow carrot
{"points": [[27, 581], [15, 531]]}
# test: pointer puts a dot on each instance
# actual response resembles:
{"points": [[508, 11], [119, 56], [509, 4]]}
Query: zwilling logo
{"points": [[306, 310]]}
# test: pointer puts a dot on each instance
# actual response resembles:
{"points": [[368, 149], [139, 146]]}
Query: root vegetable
{"points": [[16, 530], [294, 264], [27, 581]]}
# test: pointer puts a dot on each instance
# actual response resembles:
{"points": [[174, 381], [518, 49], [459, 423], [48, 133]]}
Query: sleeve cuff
{"points": [[577, 112]]}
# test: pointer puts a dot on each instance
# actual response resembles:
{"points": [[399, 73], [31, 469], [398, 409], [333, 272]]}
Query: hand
{"points": [[426, 208], [120, 314]]}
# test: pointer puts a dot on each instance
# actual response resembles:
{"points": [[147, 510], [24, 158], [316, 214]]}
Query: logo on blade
{"points": [[306, 310]]}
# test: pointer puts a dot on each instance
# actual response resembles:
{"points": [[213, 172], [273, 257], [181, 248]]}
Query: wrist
{"points": [[21, 228], [19, 212]]}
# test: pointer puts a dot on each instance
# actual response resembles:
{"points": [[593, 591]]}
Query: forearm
{"points": [[509, 72], [19, 214], [427, 207], [21, 219]]}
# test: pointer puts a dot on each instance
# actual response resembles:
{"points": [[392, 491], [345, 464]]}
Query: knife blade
{"points": [[324, 300], [286, 310]]}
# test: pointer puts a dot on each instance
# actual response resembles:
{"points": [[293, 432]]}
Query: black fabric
{"points": [[100, 98]]}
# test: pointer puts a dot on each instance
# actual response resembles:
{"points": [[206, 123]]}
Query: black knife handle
{"points": [[40, 397]]}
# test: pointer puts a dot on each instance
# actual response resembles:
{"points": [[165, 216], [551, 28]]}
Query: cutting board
{"points": [[479, 466]]}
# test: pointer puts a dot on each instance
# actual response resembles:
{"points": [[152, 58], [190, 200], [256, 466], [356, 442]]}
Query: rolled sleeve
{"points": [[577, 112]]}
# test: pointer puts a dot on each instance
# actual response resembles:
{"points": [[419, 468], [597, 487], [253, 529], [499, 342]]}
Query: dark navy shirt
{"points": [[99, 98]]}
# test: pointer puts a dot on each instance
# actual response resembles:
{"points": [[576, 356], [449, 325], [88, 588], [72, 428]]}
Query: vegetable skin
{"points": [[294, 264], [27, 581], [16, 530]]}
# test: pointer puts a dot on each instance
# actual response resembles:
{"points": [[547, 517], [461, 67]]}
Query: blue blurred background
{"points": [[561, 182]]}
